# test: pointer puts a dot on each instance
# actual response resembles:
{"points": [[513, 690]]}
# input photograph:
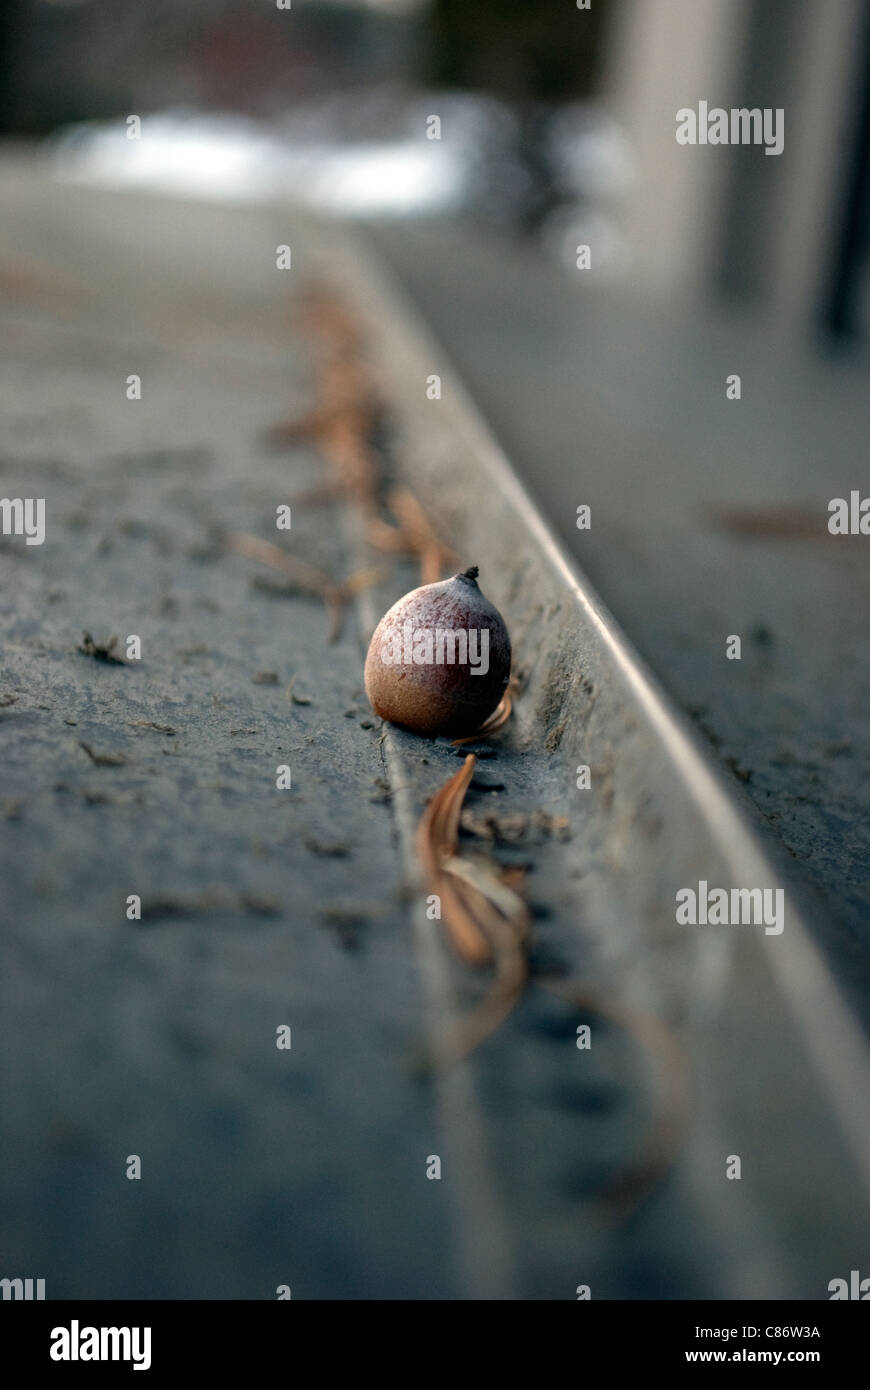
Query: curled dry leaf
{"points": [[437, 840], [499, 717], [486, 920]]}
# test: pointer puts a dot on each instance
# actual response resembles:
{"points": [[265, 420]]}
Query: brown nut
{"points": [[440, 659]]}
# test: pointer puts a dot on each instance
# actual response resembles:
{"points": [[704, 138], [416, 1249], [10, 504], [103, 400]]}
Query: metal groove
{"points": [[832, 1041]]}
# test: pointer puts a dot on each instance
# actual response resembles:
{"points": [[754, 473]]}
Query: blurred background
{"points": [[607, 385], [551, 119]]}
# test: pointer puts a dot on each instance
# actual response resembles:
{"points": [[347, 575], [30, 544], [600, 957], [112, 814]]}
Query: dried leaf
{"points": [[499, 717], [437, 838], [486, 920]]}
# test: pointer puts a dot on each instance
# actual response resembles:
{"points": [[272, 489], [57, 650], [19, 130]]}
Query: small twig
{"points": [[308, 577], [103, 759], [101, 651]]}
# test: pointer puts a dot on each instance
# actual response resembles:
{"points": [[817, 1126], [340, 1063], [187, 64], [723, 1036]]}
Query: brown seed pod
{"points": [[440, 659]]}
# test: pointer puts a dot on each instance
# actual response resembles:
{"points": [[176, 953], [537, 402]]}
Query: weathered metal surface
{"points": [[260, 908], [759, 1013], [709, 517], [307, 1167]]}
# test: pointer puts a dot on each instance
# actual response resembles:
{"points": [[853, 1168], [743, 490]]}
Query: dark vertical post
{"points": [[749, 201], [842, 316]]}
